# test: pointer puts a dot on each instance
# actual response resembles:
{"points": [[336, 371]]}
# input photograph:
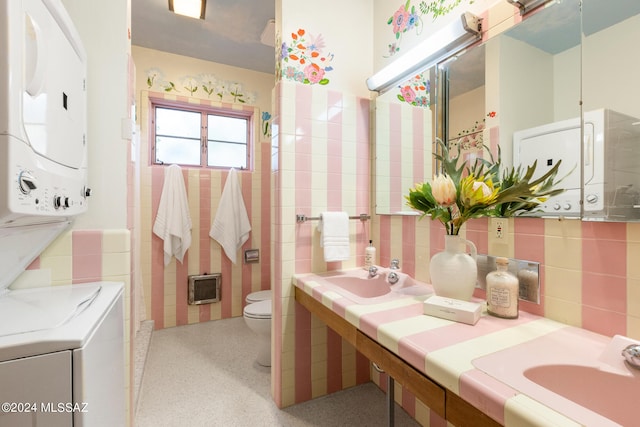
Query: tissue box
{"points": [[453, 309]]}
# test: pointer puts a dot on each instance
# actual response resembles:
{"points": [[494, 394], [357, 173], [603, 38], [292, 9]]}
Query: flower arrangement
{"points": [[478, 190]]}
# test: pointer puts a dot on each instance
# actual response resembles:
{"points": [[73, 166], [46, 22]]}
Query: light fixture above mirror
{"points": [[190, 8], [527, 6], [444, 43]]}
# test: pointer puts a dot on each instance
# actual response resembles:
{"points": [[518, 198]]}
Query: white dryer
{"points": [[61, 347], [62, 356]]}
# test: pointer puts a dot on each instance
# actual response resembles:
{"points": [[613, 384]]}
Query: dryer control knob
{"points": [[27, 182], [566, 206], [591, 198], [556, 206], [57, 202], [66, 203]]}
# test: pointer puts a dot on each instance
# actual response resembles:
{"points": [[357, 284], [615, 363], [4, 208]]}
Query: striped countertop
{"points": [[444, 350]]}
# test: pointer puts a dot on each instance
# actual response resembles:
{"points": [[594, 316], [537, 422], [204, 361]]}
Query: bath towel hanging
{"points": [[231, 225], [173, 221], [334, 238]]}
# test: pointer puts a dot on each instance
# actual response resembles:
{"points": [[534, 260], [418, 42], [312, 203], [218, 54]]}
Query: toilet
{"points": [[257, 315]]}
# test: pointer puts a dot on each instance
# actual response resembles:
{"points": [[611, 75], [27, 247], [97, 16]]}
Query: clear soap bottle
{"points": [[369, 255], [502, 291], [528, 283]]}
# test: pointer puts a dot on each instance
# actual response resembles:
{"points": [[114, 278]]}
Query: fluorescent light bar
{"points": [[444, 43], [527, 6], [190, 8]]}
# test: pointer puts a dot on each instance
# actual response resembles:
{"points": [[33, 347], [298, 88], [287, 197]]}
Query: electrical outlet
{"points": [[500, 228]]}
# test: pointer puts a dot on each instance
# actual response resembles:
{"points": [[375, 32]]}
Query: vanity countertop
{"points": [[445, 352]]}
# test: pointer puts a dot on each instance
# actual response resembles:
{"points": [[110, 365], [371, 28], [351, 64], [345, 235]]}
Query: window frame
{"points": [[204, 110]]}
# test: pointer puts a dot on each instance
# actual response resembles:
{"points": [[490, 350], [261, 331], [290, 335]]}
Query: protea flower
{"points": [[444, 190], [476, 191]]}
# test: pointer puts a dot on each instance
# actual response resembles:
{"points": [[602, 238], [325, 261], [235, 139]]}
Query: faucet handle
{"points": [[632, 355], [393, 278], [373, 270], [395, 264]]}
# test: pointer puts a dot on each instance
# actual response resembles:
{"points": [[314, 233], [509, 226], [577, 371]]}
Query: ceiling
{"points": [[229, 34], [553, 30]]}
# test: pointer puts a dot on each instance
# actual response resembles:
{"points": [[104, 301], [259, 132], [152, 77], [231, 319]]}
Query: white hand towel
{"points": [[334, 238], [173, 221], [231, 225]]}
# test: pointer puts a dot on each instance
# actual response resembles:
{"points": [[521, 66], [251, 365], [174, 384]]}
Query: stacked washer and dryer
{"points": [[61, 347]]}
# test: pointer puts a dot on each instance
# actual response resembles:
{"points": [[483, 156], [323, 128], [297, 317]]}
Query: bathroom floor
{"points": [[205, 375]]}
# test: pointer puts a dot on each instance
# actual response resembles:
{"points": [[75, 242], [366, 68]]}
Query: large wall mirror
{"points": [[524, 78], [532, 75], [611, 108], [404, 131]]}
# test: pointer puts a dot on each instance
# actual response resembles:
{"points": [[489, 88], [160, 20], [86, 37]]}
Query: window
{"points": [[199, 135]]}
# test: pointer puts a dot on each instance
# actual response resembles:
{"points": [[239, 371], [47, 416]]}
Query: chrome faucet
{"points": [[395, 264], [373, 271], [632, 355], [393, 277]]}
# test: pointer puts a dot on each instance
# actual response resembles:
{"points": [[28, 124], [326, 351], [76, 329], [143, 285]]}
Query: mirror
{"points": [[524, 77], [559, 65], [464, 111], [610, 93], [404, 130]]}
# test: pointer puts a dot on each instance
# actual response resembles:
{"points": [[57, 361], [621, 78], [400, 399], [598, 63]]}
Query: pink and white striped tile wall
{"points": [[166, 286], [82, 256], [588, 276], [324, 165]]}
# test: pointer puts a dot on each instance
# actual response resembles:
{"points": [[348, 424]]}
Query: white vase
{"points": [[454, 272]]}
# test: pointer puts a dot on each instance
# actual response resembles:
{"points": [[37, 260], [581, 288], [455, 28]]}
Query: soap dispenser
{"points": [[502, 291], [369, 255]]}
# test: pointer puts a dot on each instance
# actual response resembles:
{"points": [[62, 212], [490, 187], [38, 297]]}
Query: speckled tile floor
{"points": [[206, 375], [143, 338]]}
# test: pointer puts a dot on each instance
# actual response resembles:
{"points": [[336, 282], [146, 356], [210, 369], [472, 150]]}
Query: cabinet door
{"points": [[33, 387]]}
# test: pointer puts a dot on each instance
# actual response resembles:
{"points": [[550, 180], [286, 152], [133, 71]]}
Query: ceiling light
{"points": [[191, 8], [268, 36], [441, 45], [526, 6]]}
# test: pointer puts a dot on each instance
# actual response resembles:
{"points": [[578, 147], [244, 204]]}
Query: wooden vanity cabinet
{"points": [[463, 414], [427, 391], [445, 403]]}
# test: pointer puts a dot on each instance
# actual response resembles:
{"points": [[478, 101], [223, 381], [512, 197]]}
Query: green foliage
{"points": [[515, 191], [438, 8]]}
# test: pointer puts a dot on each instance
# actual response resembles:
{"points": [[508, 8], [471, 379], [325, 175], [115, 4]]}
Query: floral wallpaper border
{"points": [[225, 91], [229, 91], [407, 18], [302, 59], [416, 91], [471, 139]]}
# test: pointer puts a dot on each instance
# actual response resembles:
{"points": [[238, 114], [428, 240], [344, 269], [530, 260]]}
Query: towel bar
{"points": [[300, 218]]}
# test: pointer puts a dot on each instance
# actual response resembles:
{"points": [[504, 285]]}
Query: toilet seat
{"points": [[254, 297], [258, 310]]}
